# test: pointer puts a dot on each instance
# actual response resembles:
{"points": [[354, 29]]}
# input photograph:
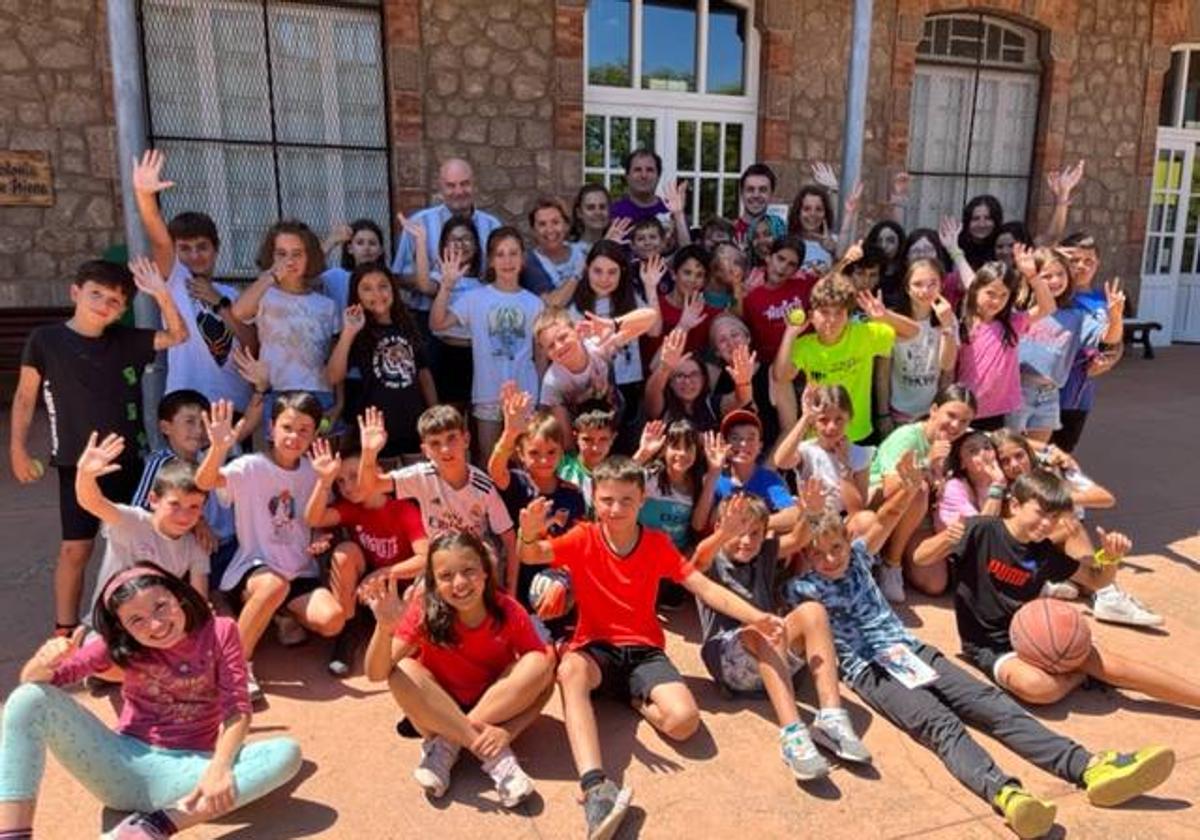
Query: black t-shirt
{"points": [[753, 580], [90, 384], [566, 508], [389, 363], [995, 575]]}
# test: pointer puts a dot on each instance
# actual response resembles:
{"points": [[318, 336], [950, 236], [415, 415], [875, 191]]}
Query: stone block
{"points": [[443, 83], [73, 109], [474, 84], [15, 240], [509, 35], [458, 107], [499, 89], [31, 114], [477, 56], [472, 131], [441, 127], [11, 57], [512, 158], [502, 132], [779, 14], [64, 55], [461, 33], [536, 135], [97, 213], [526, 87], [61, 240], [32, 140]]}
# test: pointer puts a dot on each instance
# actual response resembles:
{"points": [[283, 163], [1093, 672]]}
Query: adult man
{"points": [[757, 188], [643, 168], [456, 185]]}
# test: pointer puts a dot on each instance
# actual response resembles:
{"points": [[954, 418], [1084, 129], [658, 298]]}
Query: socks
{"points": [[17, 834], [835, 713], [161, 821], [591, 779]]}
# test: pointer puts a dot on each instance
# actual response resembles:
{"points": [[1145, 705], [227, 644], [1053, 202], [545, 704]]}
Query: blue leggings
{"points": [[124, 773]]}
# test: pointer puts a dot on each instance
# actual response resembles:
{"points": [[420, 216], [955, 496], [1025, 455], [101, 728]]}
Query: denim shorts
{"points": [[1039, 406]]}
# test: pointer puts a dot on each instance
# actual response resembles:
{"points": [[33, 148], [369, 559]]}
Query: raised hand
{"points": [[737, 518], [652, 272], [824, 175], [854, 198], [909, 470], [218, 422], [147, 173], [354, 319], [814, 495], [854, 253], [716, 450], [901, 182], [253, 370], [533, 518], [414, 229], [324, 462], [618, 231], [1114, 298], [1062, 184], [1023, 259], [654, 436], [98, 458], [994, 472], [381, 597], [54, 651], [147, 277], [675, 196], [672, 354], [944, 311], [341, 234], [872, 305], [742, 365], [516, 405], [949, 229], [453, 266], [372, 431], [693, 311], [811, 403]]}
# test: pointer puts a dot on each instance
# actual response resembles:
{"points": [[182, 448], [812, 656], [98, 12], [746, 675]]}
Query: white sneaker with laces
{"points": [[252, 687], [891, 581], [1117, 606], [1062, 590], [437, 759], [833, 730], [513, 785]]}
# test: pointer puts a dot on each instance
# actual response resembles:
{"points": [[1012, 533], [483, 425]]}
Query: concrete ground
{"points": [[728, 779]]}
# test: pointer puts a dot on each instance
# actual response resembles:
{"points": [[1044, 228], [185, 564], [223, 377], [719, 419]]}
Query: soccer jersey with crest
{"points": [[474, 507]]}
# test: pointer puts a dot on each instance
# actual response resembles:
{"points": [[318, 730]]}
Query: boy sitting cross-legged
{"points": [[616, 566], [741, 556], [921, 691]]}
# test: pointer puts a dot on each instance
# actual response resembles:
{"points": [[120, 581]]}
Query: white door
{"points": [[1167, 237]]}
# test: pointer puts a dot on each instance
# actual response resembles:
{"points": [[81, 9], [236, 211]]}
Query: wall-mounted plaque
{"points": [[26, 179]]}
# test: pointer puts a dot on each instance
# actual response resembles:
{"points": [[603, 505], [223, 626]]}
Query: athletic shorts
{"points": [[297, 587], [1039, 406], [629, 672], [731, 665], [118, 487]]}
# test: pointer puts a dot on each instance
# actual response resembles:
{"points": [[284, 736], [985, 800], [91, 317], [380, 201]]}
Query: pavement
{"points": [[728, 779]]}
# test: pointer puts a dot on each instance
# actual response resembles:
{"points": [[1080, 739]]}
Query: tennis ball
{"points": [[796, 317], [325, 426], [39, 469]]}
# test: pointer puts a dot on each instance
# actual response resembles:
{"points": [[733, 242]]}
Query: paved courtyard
{"points": [[728, 781]]}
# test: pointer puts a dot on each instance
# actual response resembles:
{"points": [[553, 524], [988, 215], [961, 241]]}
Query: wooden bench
{"points": [[15, 326], [1138, 332]]}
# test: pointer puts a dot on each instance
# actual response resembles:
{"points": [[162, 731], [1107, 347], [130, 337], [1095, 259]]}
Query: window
{"points": [[267, 110], [973, 117], [1181, 90], [676, 77]]}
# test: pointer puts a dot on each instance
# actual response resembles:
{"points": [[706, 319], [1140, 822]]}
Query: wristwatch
{"points": [[223, 303]]}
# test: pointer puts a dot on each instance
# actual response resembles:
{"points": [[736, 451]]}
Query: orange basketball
{"points": [[1050, 635]]}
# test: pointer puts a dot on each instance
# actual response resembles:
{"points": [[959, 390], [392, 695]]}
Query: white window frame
{"points": [[667, 107], [1190, 51]]}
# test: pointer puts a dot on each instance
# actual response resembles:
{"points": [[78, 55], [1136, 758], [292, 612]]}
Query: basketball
{"points": [[543, 585], [1050, 635]]}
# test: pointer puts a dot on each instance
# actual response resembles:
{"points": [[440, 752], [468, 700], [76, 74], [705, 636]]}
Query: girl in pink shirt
{"points": [[177, 757]]}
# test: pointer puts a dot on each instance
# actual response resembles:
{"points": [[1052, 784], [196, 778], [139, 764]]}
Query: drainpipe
{"points": [[125, 51], [856, 99]]}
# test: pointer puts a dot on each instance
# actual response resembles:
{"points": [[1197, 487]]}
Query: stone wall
{"points": [[56, 96]]}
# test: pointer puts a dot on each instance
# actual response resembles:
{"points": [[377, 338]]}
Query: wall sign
{"points": [[26, 179]]}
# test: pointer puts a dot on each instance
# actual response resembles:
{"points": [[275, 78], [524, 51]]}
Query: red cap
{"points": [[740, 417]]}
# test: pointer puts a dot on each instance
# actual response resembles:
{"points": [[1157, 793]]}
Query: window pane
{"points": [[617, 186], [708, 198], [619, 140], [1191, 96], [934, 196], [609, 30], [729, 199], [645, 133], [1166, 109], [1005, 113], [685, 146], [333, 184], [940, 119], [669, 45], [726, 48], [593, 141], [710, 147], [1012, 193], [733, 147]]}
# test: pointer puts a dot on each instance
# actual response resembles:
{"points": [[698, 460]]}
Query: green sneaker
{"points": [[1114, 777], [1025, 814]]}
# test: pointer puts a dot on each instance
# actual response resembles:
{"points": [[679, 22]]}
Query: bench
{"points": [[15, 326], [1138, 332]]}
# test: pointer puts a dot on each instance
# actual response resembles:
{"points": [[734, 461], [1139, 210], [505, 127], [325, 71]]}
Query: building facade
{"points": [[331, 110]]}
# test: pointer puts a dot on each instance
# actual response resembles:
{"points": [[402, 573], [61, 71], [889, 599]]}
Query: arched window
{"points": [[973, 117], [677, 77]]}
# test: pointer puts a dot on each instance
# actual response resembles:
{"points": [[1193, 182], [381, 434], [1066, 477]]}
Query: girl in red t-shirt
{"points": [[387, 538], [465, 663]]}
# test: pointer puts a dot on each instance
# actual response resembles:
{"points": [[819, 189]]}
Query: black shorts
{"points": [[630, 671], [118, 487], [297, 587], [1067, 437]]}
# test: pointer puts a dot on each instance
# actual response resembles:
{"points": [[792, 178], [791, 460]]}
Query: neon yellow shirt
{"points": [[847, 362]]}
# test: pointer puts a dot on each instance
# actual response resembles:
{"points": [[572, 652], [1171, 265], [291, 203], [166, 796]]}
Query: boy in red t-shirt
{"points": [[387, 536], [616, 565]]}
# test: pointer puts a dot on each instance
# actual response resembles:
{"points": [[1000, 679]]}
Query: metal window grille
{"points": [[268, 110]]}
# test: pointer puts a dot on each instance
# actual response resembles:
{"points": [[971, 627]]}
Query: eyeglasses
{"points": [[742, 440], [680, 376]]}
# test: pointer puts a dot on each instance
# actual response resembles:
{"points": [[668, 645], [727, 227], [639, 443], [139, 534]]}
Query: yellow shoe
{"points": [[1025, 814], [1114, 777]]}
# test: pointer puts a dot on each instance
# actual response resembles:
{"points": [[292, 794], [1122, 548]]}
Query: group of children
{"points": [[503, 490]]}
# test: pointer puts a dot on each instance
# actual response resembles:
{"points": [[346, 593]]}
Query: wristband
{"points": [[1103, 558], [521, 537], [956, 254], [996, 491]]}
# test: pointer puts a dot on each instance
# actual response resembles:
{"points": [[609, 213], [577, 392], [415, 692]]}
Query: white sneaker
{"points": [[513, 785], [1062, 590], [891, 581], [1115, 605], [437, 759], [288, 630], [252, 687]]}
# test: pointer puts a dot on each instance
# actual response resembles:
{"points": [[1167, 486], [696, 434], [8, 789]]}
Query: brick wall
{"points": [[56, 96]]}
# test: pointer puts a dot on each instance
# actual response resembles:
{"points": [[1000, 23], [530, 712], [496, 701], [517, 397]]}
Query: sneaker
{"points": [[1062, 590], [437, 758], [891, 581], [136, 826], [341, 655], [252, 687], [833, 731], [604, 807], [1025, 814], [1115, 605], [800, 754], [1114, 777], [511, 782], [288, 631]]}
